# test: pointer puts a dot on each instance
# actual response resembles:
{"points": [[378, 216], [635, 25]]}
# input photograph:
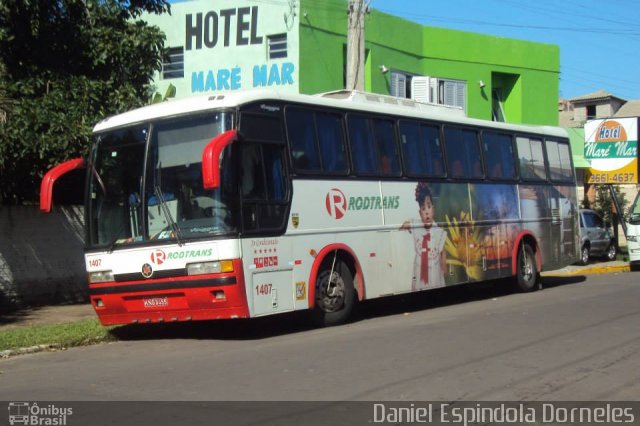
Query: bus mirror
{"points": [[211, 158], [49, 179]]}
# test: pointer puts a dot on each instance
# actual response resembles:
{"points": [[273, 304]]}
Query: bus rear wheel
{"points": [[334, 294], [527, 277]]}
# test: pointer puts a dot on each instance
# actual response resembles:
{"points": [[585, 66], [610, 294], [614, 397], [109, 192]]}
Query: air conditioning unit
{"points": [[424, 89]]}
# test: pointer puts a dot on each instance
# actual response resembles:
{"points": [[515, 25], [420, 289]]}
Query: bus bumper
{"points": [[173, 300]]}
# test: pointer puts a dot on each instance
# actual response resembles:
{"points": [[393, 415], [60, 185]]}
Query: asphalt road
{"points": [[578, 339]]}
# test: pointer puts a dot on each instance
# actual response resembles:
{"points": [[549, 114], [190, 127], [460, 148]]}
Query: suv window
{"points": [[593, 221]]}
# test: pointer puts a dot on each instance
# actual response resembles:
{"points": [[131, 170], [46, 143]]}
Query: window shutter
{"points": [[420, 88], [461, 95], [398, 84]]}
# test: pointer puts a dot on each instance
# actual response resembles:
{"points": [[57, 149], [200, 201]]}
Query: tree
{"points": [[68, 64], [604, 203]]}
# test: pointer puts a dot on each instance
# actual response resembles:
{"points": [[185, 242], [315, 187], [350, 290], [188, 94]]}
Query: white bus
{"points": [[633, 234], [256, 203]]}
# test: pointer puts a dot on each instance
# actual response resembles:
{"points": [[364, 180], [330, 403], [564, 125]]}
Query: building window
{"points": [[400, 84], [497, 105], [591, 112], [173, 64], [277, 46], [452, 93], [433, 90]]}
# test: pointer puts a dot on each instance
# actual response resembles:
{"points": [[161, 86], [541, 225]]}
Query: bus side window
{"points": [[463, 154], [531, 158], [385, 138], [302, 138], [421, 150], [263, 186], [498, 154], [363, 152], [559, 161], [251, 177], [332, 144], [413, 154]]}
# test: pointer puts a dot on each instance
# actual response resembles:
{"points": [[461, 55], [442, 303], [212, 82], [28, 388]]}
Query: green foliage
{"points": [[63, 67], [604, 203], [170, 93]]}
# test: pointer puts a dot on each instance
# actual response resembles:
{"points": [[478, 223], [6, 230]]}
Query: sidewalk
{"points": [[46, 315], [591, 268], [73, 313]]}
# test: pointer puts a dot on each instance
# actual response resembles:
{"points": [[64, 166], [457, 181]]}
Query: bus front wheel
{"points": [[334, 293], [527, 277]]}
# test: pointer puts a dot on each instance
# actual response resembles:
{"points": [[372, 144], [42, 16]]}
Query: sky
{"points": [[599, 39]]}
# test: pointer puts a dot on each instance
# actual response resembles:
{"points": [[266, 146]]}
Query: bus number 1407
{"points": [[263, 289]]}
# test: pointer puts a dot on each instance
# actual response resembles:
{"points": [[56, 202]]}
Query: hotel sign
{"points": [[611, 146]]}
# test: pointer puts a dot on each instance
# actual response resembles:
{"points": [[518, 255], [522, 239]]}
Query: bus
{"points": [[246, 204], [633, 234]]}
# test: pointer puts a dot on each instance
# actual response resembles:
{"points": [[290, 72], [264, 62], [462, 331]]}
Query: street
{"points": [[577, 339]]}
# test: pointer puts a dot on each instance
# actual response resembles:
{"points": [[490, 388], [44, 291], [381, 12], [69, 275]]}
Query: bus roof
{"points": [[350, 100]]}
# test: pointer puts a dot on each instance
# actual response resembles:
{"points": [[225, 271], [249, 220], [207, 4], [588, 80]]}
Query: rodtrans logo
{"points": [[26, 413], [337, 203]]}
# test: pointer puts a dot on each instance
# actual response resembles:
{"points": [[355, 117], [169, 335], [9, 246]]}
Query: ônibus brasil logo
{"points": [[336, 203]]}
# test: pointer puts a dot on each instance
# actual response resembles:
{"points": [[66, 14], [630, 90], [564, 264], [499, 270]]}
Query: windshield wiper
{"points": [[112, 245], [167, 214]]}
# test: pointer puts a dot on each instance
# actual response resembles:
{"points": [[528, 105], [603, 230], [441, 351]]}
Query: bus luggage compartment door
{"points": [[272, 292]]}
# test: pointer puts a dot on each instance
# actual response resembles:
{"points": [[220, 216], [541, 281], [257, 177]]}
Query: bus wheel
{"points": [[335, 294], [527, 273]]}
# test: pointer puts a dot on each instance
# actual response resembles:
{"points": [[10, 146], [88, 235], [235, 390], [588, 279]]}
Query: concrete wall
{"points": [[41, 257]]}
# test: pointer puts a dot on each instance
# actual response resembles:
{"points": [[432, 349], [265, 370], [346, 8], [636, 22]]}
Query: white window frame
{"points": [[173, 65], [277, 46]]}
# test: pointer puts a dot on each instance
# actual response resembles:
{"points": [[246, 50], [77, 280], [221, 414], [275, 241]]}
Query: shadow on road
{"points": [[238, 329], [295, 322]]}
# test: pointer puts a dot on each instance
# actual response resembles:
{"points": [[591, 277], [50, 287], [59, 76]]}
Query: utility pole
{"points": [[355, 45]]}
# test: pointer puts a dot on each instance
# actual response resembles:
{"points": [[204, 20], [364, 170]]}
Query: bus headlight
{"points": [[101, 277], [209, 267]]}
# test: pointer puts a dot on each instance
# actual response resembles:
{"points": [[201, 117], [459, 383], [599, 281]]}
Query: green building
{"points": [[300, 46]]}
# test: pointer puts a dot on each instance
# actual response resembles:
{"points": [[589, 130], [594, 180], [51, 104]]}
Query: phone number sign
{"points": [[611, 146]]}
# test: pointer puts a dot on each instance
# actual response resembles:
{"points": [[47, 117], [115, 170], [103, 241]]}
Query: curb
{"points": [[588, 271], [29, 350]]}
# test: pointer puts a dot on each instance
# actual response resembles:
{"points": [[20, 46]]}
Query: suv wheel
{"points": [[612, 251], [584, 255]]}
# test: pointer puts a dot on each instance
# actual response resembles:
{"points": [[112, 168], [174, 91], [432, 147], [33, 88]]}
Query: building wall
{"points": [[316, 38], [226, 45], [406, 46]]}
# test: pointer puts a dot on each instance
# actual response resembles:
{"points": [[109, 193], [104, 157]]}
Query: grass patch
{"points": [[65, 335], [623, 253]]}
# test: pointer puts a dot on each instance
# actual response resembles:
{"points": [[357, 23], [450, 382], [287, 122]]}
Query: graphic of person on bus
{"points": [[430, 260]]}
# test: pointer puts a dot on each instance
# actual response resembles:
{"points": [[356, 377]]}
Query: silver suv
{"points": [[596, 237]]}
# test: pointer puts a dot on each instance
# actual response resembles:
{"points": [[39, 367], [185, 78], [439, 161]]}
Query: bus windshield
{"points": [[145, 183]]}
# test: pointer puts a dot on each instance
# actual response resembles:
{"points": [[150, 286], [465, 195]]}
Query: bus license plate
{"points": [[156, 302]]}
